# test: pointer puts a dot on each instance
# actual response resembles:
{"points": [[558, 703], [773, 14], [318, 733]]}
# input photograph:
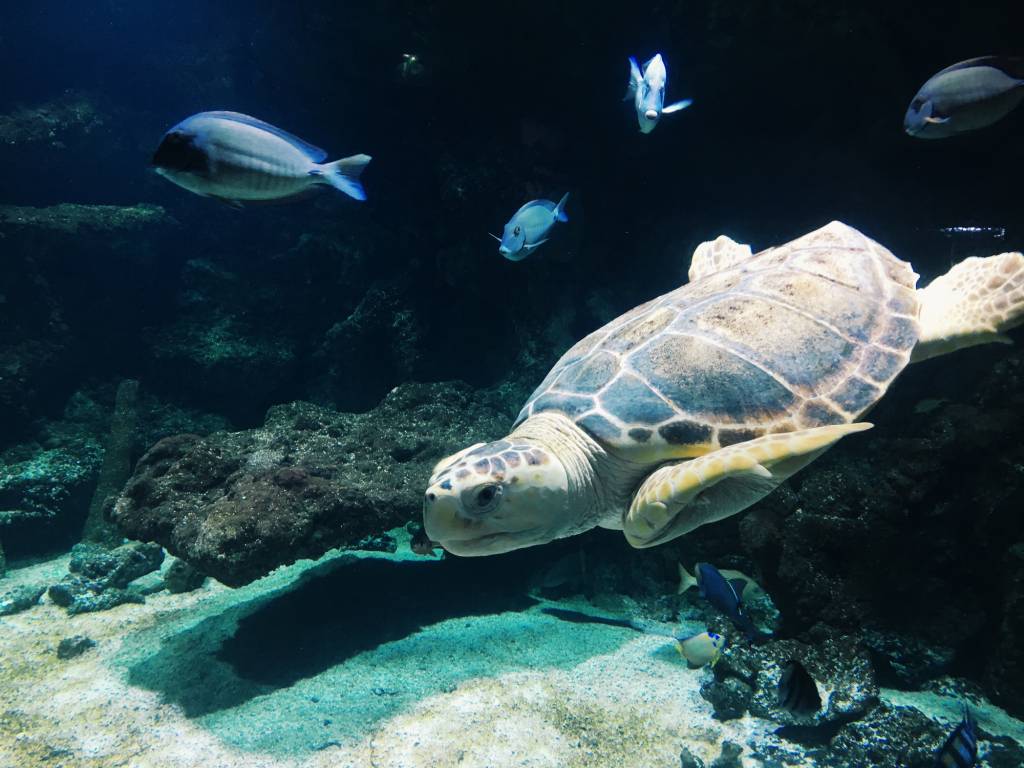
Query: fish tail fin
{"points": [[344, 174], [685, 580], [635, 78], [560, 214]]}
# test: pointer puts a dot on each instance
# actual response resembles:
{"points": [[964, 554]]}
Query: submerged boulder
{"points": [[99, 578], [236, 505]]}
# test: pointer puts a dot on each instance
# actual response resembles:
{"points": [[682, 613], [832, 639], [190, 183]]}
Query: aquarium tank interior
{"points": [[552, 385]]}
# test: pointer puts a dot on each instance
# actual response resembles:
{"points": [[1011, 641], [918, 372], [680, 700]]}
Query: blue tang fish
{"points": [[647, 89], [529, 227], [725, 596], [237, 158]]}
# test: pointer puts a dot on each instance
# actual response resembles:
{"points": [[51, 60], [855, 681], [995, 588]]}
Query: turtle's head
{"points": [[496, 497]]}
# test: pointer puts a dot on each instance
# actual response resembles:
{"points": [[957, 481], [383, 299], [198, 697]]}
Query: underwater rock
{"points": [[1004, 674], [50, 123], [100, 577], [238, 504], [70, 647], [182, 577], [79, 595], [219, 357], [907, 661], [382, 543], [886, 737], [20, 598], [839, 666], [74, 219], [116, 567], [75, 282], [730, 757], [117, 465], [381, 338], [44, 493], [730, 697]]}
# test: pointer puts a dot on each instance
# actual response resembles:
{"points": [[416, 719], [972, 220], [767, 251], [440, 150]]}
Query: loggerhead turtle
{"points": [[693, 406]]}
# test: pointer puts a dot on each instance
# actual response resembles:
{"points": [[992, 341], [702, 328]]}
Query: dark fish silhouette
{"points": [[798, 693], [961, 748]]}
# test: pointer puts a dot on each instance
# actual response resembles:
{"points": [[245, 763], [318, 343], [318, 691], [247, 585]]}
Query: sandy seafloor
{"points": [[515, 688]]}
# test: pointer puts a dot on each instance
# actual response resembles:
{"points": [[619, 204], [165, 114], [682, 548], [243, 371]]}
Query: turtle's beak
{"points": [[441, 519]]}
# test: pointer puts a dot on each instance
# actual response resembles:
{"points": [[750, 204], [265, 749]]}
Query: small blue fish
{"points": [[961, 748], [725, 596], [647, 89], [237, 158], [529, 226]]}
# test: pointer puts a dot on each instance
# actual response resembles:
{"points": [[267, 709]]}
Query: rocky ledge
{"points": [[236, 505]]}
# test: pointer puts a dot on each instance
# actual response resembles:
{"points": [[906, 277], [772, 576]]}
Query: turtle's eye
{"points": [[482, 499]]}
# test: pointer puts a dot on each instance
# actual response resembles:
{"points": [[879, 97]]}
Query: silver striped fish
{"points": [[238, 158]]}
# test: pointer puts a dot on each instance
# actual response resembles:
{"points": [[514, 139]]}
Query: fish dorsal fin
{"points": [[1012, 66], [716, 255], [311, 151]]}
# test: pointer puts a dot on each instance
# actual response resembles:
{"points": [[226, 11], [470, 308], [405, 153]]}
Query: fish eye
{"points": [[516, 231]]}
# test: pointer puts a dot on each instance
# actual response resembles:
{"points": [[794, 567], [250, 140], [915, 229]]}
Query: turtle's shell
{"points": [[808, 334]]}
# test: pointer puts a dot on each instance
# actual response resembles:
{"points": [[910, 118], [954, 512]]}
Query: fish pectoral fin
{"points": [[679, 105], [527, 247], [233, 204], [936, 120]]}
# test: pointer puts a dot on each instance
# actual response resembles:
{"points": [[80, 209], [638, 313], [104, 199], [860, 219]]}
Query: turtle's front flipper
{"points": [[677, 498], [976, 302]]}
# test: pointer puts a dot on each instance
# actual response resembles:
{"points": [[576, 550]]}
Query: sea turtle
{"points": [[693, 406]]}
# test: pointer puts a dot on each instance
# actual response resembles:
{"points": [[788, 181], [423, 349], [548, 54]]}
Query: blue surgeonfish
{"points": [[751, 589], [529, 227], [647, 89], [961, 748], [701, 650], [726, 597], [236, 158], [797, 692], [966, 96]]}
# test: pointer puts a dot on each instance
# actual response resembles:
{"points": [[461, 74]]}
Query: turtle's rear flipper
{"points": [[976, 302], [676, 498]]}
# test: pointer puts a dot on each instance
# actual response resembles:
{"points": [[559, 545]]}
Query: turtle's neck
{"points": [[599, 482]]}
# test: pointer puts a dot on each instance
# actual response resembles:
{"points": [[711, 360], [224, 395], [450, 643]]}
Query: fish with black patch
{"points": [[961, 748], [797, 691], [236, 158]]}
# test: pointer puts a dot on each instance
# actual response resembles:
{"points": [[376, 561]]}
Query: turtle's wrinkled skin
{"points": [[694, 405]]}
